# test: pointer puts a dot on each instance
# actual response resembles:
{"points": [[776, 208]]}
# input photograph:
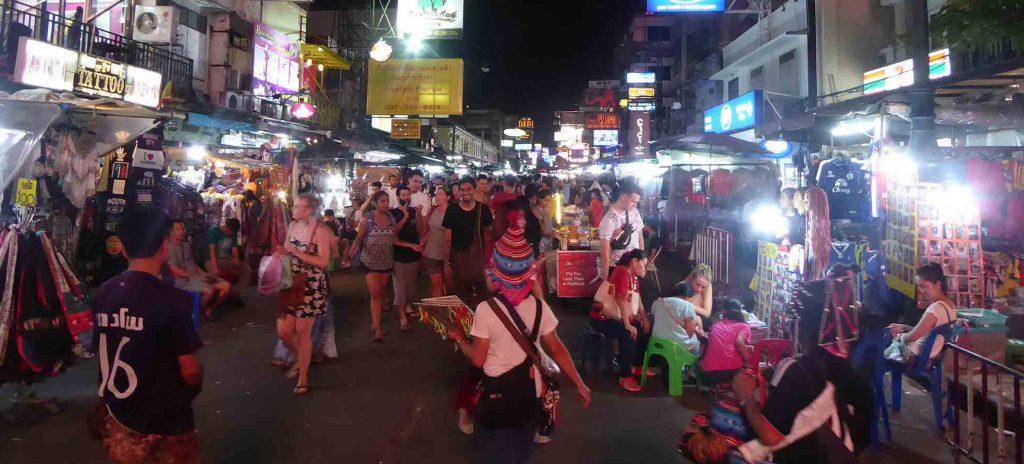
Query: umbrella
{"points": [[712, 143]]}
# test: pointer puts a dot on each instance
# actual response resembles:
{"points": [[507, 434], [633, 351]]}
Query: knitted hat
{"points": [[512, 267]]}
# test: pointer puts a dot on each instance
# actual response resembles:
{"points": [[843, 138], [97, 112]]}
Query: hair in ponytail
{"points": [[932, 272]]}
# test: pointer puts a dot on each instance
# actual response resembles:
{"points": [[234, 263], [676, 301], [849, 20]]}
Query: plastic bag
{"points": [[897, 351], [287, 278], [271, 272]]}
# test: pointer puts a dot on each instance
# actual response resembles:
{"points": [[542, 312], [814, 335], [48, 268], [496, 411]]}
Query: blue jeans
{"points": [[505, 445]]}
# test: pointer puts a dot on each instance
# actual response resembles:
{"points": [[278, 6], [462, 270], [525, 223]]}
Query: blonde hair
{"points": [[312, 200], [700, 270]]}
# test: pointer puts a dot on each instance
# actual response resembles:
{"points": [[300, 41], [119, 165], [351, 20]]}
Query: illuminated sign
{"points": [[43, 65], [405, 129], [275, 67], [436, 19], [523, 146], [639, 133], [602, 121], [685, 6], [507, 143], [143, 87], [598, 98], [640, 105], [640, 78], [901, 74], [641, 92], [100, 77], [608, 84], [606, 138], [525, 123], [742, 112], [415, 87]]}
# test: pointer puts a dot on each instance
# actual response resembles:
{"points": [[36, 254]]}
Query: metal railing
{"points": [[994, 420], [18, 19]]}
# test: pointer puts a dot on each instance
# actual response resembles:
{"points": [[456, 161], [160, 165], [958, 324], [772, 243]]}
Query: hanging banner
{"points": [[577, 274], [433, 19], [275, 67], [639, 133], [415, 87], [408, 129]]}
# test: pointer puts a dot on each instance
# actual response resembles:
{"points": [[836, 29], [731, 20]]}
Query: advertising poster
{"points": [[684, 6], [415, 87], [275, 67], [639, 133], [431, 19], [606, 137], [740, 113], [602, 121], [577, 274]]}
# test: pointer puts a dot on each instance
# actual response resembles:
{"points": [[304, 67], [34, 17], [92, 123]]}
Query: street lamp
{"points": [[380, 51], [514, 132]]}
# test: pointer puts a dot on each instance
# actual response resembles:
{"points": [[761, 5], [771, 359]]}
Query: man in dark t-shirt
{"points": [[146, 344], [468, 222]]}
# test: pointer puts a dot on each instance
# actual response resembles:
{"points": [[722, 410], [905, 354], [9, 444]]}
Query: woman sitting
{"points": [[619, 314], [726, 352], [676, 319], [931, 281], [696, 289]]}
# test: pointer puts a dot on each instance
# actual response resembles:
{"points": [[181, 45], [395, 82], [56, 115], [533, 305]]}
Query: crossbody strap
{"points": [[520, 338]]}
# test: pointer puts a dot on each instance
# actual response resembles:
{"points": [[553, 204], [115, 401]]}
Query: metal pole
{"points": [[922, 100]]}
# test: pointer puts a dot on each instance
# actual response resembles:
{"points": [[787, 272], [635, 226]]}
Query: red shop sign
{"points": [[602, 121], [577, 274]]}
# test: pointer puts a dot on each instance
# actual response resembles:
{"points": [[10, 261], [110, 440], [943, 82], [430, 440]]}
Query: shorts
{"points": [[433, 266], [367, 270], [126, 446]]}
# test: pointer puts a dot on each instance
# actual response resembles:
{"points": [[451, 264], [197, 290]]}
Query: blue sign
{"points": [[685, 6], [740, 113]]}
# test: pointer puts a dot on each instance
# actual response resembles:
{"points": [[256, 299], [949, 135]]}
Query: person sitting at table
{"points": [[675, 319], [931, 282], [726, 352], [696, 289], [618, 313]]}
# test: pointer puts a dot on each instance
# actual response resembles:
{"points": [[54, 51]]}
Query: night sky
{"points": [[540, 53]]}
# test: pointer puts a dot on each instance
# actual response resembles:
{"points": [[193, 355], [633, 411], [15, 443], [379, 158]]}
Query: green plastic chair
{"points": [[677, 359]]}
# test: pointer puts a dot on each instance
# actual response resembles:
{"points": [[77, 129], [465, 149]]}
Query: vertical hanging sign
{"points": [[639, 133]]}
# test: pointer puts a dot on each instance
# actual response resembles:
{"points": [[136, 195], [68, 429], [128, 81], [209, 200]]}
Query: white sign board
{"points": [[434, 19], [43, 65]]}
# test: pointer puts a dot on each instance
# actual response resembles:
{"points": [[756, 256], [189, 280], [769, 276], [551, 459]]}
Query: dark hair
{"points": [[788, 192], [680, 290], [499, 188], [328, 212], [392, 175], [144, 231], [630, 255], [376, 184], [543, 193], [250, 195], [400, 188], [531, 190], [415, 172], [177, 221], [840, 269], [482, 177], [627, 188], [467, 180], [376, 196], [732, 309], [234, 225], [932, 272]]}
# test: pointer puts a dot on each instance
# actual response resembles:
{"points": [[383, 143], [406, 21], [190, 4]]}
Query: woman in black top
{"points": [[533, 225]]}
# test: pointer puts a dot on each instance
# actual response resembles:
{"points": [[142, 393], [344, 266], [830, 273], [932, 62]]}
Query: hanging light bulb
{"points": [[381, 50]]}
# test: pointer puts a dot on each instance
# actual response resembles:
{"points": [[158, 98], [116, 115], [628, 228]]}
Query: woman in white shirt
{"points": [[931, 282]]}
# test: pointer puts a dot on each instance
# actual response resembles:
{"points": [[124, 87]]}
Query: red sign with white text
{"points": [[577, 274], [602, 121]]}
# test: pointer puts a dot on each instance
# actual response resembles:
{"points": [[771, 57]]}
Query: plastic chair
{"points": [[930, 368], [870, 353], [773, 350], [197, 299], [677, 359]]}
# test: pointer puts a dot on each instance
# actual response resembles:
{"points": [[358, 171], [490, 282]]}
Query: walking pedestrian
{"points": [[408, 252], [468, 222], [374, 247], [505, 333], [309, 245], [621, 229], [147, 344], [438, 247]]}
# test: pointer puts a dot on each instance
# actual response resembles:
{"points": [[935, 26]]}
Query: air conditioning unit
{"points": [[239, 101], [154, 24]]}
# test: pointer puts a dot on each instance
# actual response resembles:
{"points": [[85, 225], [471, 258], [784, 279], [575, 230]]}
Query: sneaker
{"points": [[541, 439], [630, 384], [650, 372], [465, 422]]}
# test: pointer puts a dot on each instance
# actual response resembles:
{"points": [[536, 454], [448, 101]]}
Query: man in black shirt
{"points": [[408, 251], [468, 223], [146, 345]]}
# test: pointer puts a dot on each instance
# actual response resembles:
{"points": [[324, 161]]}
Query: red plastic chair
{"points": [[773, 350]]}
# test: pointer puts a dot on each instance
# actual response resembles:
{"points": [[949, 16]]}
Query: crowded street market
{"points": [[695, 231]]}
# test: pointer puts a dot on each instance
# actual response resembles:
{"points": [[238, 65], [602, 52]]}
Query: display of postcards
{"points": [[974, 251], [974, 285], [947, 248], [948, 231], [972, 232], [961, 232], [975, 268], [933, 248]]}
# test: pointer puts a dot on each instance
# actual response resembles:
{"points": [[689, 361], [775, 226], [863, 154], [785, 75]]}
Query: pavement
{"points": [[390, 402]]}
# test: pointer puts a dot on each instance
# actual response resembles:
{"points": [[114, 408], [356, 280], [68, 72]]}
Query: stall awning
{"points": [[299, 130], [206, 120], [323, 55]]}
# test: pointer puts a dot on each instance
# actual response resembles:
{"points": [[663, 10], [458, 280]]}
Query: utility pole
{"points": [[922, 99]]}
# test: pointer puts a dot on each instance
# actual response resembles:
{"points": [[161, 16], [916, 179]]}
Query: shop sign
{"points": [[598, 98], [901, 74], [606, 84], [100, 77], [43, 65], [740, 113], [25, 196], [275, 67], [641, 105], [523, 146], [405, 129], [606, 137], [577, 274], [525, 123], [641, 92], [415, 87], [640, 78], [143, 87], [148, 159], [436, 19], [507, 143], [602, 121], [639, 133], [685, 6]]}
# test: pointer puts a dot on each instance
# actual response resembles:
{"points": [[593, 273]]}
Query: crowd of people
{"points": [[485, 243]]}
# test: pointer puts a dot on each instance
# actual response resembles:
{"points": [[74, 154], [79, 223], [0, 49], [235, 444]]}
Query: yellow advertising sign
{"points": [[26, 193], [415, 87], [641, 92], [405, 129]]}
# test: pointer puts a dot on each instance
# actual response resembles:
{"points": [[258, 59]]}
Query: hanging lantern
{"points": [[302, 110], [381, 50]]}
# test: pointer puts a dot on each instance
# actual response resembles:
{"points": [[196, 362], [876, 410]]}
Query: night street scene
{"points": [[483, 231]]}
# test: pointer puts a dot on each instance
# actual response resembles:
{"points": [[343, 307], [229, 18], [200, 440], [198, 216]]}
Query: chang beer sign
{"points": [[99, 77]]}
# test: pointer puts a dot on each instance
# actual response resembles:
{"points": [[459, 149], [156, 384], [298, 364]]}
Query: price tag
{"points": [[26, 194]]}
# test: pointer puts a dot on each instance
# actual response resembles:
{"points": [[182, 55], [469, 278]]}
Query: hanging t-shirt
{"points": [[845, 184], [720, 183], [842, 252], [142, 326]]}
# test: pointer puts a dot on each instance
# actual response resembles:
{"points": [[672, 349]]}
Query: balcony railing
{"points": [[23, 20]]}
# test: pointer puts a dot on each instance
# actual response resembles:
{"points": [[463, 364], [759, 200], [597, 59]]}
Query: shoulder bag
{"points": [[622, 241]]}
